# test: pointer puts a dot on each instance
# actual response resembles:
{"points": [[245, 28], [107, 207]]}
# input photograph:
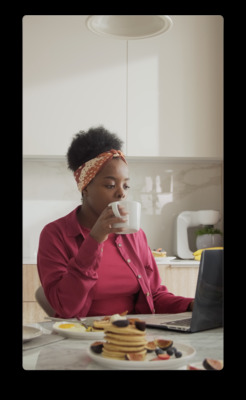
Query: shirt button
{"points": [[128, 260], [119, 244], [147, 294], [139, 276]]}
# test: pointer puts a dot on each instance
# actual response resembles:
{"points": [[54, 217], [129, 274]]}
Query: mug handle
{"points": [[115, 209]]}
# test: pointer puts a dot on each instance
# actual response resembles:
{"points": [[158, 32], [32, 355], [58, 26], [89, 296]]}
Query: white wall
{"points": [[163, 96], [72, 80], [175, 94]]}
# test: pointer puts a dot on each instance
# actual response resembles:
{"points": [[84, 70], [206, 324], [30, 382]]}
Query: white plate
{"points": [[172, 363], [76, 334], [29, 333], [164, 260]]}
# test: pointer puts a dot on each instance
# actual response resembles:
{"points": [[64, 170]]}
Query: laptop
{"points": [[208, 303]]}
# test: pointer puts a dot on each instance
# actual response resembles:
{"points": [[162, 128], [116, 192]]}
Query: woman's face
{"points": [[110, 184]]}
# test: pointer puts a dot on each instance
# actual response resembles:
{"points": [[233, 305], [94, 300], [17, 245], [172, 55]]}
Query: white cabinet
{"points": [[72, 80], [180, 280], [175, 90], [163, 96]]}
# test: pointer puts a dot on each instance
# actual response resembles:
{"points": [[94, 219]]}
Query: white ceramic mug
{"points": [[133, 208]]}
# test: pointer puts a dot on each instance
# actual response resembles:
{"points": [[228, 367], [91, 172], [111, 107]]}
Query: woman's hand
{"points": [[104, 225]]}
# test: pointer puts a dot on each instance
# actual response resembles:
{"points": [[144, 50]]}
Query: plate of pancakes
{"points": [[127, 347]]}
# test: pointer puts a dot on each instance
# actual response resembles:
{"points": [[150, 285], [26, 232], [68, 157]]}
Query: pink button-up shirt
{"points": [[68, 263]]}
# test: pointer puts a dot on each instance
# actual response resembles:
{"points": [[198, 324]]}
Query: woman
{"points": [[86, 268]]}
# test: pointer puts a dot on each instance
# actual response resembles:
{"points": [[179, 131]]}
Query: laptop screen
{"points": [[208, 305]]}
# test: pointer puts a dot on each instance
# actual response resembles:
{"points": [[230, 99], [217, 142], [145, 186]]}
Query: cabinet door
{"points": [[175, 90], [180, 281], [32, 312], [72, 80]]}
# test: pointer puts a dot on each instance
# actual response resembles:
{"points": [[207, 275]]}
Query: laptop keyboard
{"points": [[180, 322]]}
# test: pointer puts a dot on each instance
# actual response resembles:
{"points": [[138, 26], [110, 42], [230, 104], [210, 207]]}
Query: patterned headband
{"points": [[87, 171]]}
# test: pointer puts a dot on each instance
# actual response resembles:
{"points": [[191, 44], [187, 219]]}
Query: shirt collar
{"points": [[72, 224]]}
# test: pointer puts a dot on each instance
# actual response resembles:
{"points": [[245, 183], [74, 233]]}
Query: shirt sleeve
{"points": [[67, 282], [164, 301]]}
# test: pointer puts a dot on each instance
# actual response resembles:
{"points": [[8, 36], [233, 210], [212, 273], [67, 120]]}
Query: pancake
{"points": [[99, 325], [122, 348], [119, 355], [123, 340], [126, 330]]}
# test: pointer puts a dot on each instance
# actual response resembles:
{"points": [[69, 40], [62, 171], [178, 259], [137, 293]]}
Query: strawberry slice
{"points": [[161, 357]]}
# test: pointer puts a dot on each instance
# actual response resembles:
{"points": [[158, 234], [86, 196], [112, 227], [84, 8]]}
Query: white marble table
{"points": [[51, 351]]}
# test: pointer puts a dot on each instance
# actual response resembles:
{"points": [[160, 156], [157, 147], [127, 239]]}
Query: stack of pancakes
{"points": [[122, 341]]}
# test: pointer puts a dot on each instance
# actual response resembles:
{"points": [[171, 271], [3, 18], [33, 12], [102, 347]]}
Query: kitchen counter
{"points": [[176, 262], [160, 261]]}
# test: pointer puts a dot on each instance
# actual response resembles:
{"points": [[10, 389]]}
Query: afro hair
{"points": [[87, 145]]}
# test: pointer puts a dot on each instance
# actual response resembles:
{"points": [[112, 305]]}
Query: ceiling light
{"points": [[129, 27]]}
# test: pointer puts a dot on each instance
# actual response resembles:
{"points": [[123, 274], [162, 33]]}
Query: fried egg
{"points": [[73, 327]]}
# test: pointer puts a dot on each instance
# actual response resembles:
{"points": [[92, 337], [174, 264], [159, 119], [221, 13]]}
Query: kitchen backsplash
{"points": [[164, 187]]}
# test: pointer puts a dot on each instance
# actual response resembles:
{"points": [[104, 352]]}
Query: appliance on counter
{"points": [[188, 219]]}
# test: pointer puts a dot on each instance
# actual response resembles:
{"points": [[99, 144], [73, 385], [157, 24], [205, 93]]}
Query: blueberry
{"points": [[178, 354], [159, 351], [170, 351]]}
